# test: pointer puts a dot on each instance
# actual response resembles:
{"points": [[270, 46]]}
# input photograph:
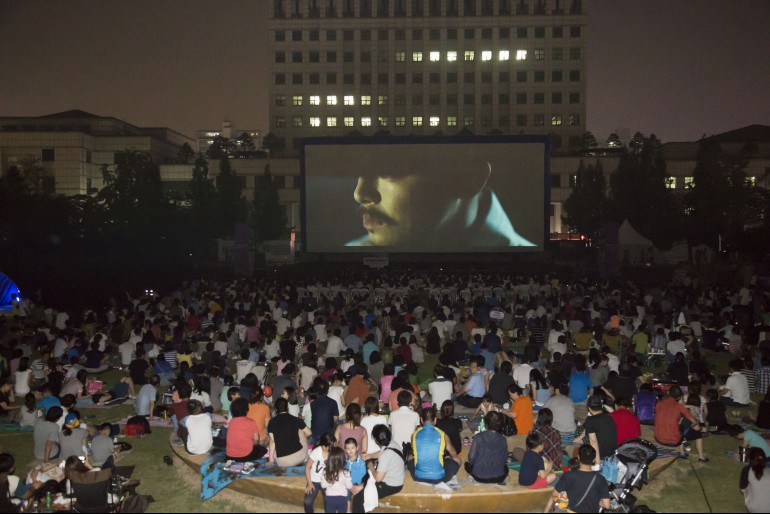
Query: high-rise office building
{"points": [[426, 67]]}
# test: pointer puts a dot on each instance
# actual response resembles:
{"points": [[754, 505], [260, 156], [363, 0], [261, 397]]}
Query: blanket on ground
{"points": [[217, 473]]}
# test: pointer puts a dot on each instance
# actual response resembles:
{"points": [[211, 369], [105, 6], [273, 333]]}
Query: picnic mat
{"points": [[214, 477], [12, 427]]}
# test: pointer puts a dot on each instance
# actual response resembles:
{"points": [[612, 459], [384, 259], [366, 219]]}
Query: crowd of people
{"points": [[368, 379]]}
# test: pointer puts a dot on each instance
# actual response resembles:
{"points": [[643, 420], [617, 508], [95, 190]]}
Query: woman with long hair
{"points": [[352, 429], [23, 377], [755, 482], [540, 389]]}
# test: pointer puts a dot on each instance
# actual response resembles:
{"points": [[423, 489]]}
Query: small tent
{"points": [[9, 293]]}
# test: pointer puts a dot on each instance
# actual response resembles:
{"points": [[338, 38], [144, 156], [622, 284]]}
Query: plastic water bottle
{"points": [[48, 500], [482, 426]]}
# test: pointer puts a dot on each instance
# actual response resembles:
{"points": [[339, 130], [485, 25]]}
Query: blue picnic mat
{"points": [[214, 477], [13, 427]]}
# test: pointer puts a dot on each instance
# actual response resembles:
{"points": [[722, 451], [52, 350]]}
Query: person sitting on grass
{"points": [[669, 429], [536, 472], [755, 482], [749, 438], [199, 438], [715, 412], [585, 489], [103, 450], [487, 459]]}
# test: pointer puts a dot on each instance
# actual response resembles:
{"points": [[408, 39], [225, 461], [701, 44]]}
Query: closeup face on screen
{"points": [[469, 197]]}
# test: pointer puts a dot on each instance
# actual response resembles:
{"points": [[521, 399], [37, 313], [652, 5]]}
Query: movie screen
{"points": [[424, 196]]}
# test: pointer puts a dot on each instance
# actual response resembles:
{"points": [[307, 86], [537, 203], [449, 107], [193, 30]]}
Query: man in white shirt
{"points": [[735, 392], [404, 420], [244, 366], [521, 373], [440, 389], [675, 345], [199, 437], [335, 345], [126, 350]]}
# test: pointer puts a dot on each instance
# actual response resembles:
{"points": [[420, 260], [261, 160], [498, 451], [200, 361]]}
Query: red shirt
{"points": [[668, 413], [240, 436], [406, 352], [627, 425]]}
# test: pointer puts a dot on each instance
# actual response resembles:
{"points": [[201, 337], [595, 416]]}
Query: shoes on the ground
{"points": [[703, 460]]}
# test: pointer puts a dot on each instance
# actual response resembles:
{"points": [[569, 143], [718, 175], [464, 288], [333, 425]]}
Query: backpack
{"points": [[138, 426], [137, 503]]}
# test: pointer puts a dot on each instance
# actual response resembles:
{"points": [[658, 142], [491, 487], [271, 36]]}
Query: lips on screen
{"points": [[424, 197]]}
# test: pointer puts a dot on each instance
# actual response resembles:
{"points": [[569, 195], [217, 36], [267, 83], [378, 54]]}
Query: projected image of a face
{"points": [[423, 197]]}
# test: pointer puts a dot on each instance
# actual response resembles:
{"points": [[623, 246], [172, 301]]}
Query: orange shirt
{"points": [[260, 413], [523, 410], [393, 398]]}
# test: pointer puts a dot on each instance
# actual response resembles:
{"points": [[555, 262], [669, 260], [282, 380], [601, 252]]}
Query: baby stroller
{"points": [[634, 457]]}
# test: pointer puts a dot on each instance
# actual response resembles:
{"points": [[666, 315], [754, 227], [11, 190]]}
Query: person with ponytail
{"points": [[755, 482]]}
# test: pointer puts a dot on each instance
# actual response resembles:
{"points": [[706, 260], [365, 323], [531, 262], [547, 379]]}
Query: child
{"points": [[535, 472], [356, 466], [316, 467], [696, 403], [348, 361], [224, 397], [336, 481], [485, 406], [29, 412], [102, 449], [232, 394], [715, 412], [290, 394]]}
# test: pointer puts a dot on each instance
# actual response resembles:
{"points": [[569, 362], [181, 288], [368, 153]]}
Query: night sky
{"points": [[676, 68]]}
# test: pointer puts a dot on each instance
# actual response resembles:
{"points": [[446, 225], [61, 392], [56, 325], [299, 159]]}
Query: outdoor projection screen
{"points": [[425, 195]]}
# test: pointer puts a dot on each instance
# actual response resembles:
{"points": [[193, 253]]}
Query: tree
{"points": [[274, 143], [269, 216], [587, 141], [220, 147], [246, 142], [614, 141], [586, 207], [636, 144], [185, 154], [231, 207]]}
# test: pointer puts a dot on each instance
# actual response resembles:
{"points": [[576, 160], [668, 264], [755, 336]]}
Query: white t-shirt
{"points": [[440, 391], [334, 346], [126, 350], [242, 368], [369, 422], [738, 385], [403, 423], [22, 382], [335, 393], [307, 375], [320, 333], [521, 375], [199, 439], [319, 464]]}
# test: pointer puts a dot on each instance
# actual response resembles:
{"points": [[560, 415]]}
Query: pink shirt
{"points": [[338, 488], [385, 383]]}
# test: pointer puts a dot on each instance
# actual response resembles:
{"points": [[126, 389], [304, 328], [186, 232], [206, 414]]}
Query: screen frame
{"points": [[423, 140]]}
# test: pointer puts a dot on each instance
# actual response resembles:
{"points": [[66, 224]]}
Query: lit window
{"points": [[434, 121], [451, 56], [574, 120], [349, 100], [315, 121], [315, 100], [331, 100], [382, 100], [366, 100], [280, 121], [366, 121], [435, 56], [400, 121], [296, 100], [469, 55], [451, 121], [556, 120], [539, 54], [689, 182], [486, 55], [468, 121], [382, 121], [671, 182], [752, 181], [400, 56], [521, 55], [297, 121], [331, 121], [349, 121], [504, 55], [417, 121], [416, 56]]}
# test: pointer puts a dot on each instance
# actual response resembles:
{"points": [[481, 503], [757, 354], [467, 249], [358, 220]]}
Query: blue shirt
{"points": [[357, 470], [369, 348], [756, 441], [531, 464], [147, 395], [353, 342], [429, 444], [323, 410], [579, 385], [493, 343], [47, 402], [489, 360], [476, 386]]}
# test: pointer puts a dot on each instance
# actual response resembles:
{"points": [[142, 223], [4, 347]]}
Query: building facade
{"points": [[71, 147], [427, 67]]}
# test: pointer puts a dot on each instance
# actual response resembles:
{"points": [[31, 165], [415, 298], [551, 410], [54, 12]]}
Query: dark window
{"points": [[451, 34], [521, 120], [486, 77], [88, 158], [435, 78], [314, 78], [417, 9], [296, 35], [280, 35], [314, 35], [400, 78], [314, 57], [469, 99], [574, 54], [348, 79], [347, 35], [382, 78], [416, 78], [469, 77], [434, 34], [539, 76], [280, 79], [574, 98], [400, 99], [383, 8], [574, 31], [451, 99], [469, 8], [382, 35], [556, 98], [539, 32], [451, 78], [366, 56], [347, 56], [366, 78], [470, 33], [521, 76], [400, 35], [504, 33], [486, 99], [574, 76], [366, 35], [521, 32], [331, 56], [416, 99], [48, 154], [280, 57], [278, 11], [503, 121], [280, 100], [366, 8], [434, 6], [331, 78], [504, 76], [487, 8], [331, 35], [417, 34], [557, 32], [539, 98], [434, 99], [296, 57], [556, 76], [504, 99], [296, 78], [521, 98], [486, 33]]}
